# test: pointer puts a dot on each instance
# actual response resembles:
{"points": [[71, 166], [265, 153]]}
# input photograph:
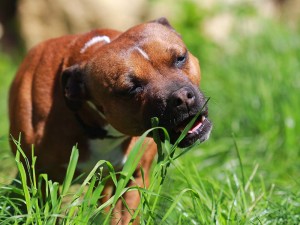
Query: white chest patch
{"points": [[105, 149], [93, 41]]}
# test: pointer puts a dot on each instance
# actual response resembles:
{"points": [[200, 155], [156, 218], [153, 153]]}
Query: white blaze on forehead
{"points": [[93, 41], [143, 53]]}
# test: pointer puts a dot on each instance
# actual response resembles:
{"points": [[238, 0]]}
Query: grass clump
{"points": [[40, 201]]}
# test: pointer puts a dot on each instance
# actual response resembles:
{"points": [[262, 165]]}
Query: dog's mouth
{"points": [[200, 130]]}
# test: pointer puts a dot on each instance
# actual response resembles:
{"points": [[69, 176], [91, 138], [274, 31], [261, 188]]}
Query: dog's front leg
{"points": [[121, 215]]}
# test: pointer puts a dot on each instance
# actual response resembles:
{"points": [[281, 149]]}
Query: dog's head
{"points": [[145, 72]]}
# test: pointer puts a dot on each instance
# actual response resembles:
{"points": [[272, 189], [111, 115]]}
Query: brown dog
{"points": [[100, 90]]}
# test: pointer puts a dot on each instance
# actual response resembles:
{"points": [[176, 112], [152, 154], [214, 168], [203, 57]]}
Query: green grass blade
{"points": [[240, 159], [156, 138], [176, 200], [70, 171], [23, 177]]}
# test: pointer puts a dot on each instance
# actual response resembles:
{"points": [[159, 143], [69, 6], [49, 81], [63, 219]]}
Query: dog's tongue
{"points": [[195, 127]]}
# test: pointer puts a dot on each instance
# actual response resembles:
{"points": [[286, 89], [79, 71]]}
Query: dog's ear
{"points": [[73, 87], [163, 21]]}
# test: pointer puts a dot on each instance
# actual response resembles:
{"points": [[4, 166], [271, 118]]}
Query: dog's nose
{"points": [[182, 99]]}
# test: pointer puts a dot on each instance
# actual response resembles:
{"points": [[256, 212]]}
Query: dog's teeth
{"points": [[195, 128]]}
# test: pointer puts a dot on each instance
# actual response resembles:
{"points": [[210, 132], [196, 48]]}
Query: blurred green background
{"points": [[250, 61]]}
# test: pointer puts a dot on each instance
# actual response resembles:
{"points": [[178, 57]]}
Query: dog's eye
{"points": [[136, 86], [131, 87], [180, 60]]}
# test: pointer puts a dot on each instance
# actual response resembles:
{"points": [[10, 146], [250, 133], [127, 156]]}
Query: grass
{"points": [[247, 173], [22, 202]]}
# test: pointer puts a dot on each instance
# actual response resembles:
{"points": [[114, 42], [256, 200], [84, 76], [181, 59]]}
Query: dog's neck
{"points": [[94, 123], [105, 142]]}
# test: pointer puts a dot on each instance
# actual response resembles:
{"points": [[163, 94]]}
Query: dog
{"points": [[100, 90]]}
